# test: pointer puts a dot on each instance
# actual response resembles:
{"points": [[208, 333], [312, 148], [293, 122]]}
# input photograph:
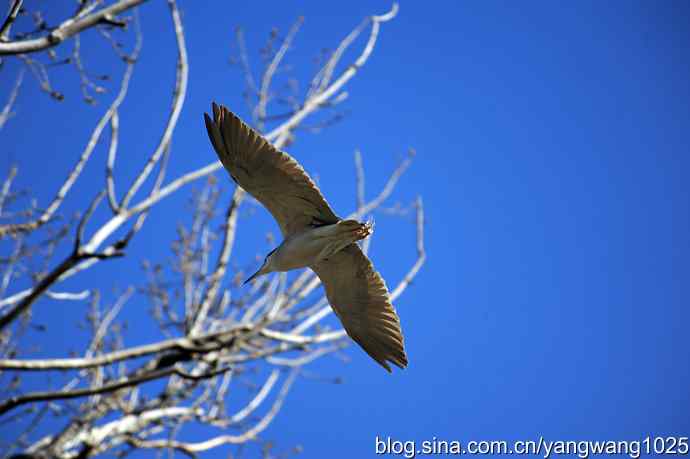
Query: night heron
{"points": [[313, 236]]}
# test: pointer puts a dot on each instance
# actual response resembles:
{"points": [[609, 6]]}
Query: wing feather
{"points": [[358, 295], [273, 177]]}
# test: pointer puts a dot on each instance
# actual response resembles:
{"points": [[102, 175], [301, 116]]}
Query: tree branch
{"points": [[281, 133], [14, 10], [222, 263], [6, 112], [178, 101], [192, 448], [201, 344], [264, 96], [129, 381], [11, 229], [68, 28]]}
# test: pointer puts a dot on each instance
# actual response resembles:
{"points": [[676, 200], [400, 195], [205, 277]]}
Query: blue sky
{"points": [[552, 157]]}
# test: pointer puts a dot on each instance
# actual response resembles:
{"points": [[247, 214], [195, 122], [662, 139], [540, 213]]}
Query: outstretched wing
{"points": [[360, 299], [274, 178]]}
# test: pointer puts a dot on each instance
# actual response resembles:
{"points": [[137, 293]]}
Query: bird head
{"points": [[266, 267]]}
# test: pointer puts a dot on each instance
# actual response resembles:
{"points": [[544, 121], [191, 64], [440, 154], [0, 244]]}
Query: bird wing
{"points": [[273, 177], [360, 299]]}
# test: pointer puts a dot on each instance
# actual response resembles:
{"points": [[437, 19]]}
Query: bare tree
{"points": [[212, 333]]}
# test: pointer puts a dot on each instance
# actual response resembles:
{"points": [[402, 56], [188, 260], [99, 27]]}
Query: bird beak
{"points": [[265, 268], [254, 276]]}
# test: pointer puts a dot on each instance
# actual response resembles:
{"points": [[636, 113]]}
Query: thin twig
{"points": [[6, 112], [359, 169], [421, 252], [7, 184]]}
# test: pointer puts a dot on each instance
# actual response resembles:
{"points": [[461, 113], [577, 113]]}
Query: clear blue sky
{"points": [[552, 145]]}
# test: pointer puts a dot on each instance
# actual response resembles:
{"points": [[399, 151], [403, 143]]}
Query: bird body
{"points": [[314, 236], [316, 244], [312, 246]]}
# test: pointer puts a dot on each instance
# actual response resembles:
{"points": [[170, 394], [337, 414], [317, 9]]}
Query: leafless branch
{"points": [[68, 28], [282, 132], [200, 344], [10, 229], [110, 164], [264, 96], [223, 259], [105, 388], [7, 184], [421, 253], [70, 262], [192, 448], [388, 189], [7, 24], [360, 181], [178, 100], [6, 112], [252, 88]]}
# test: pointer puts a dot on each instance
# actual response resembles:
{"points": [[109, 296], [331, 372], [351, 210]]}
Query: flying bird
{"points": [[313, 236]]}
